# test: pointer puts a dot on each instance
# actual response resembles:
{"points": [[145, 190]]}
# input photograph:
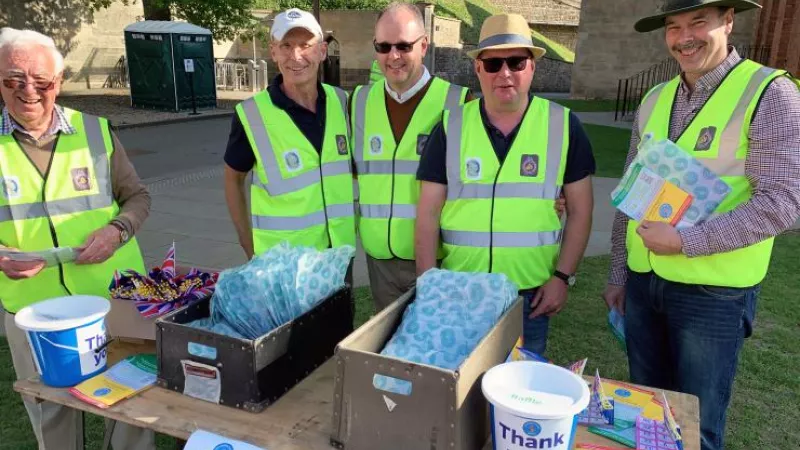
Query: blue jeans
{"points": [[687, 338], [534, 331]]}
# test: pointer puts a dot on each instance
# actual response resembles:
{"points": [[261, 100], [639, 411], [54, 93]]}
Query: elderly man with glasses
{"points": [[391, 121], [492, 173], [65, 182]]}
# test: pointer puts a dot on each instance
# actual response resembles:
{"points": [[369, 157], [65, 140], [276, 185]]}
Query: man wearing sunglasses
{"points": [[492, 172], [391, 121], [689, 295], [65, 181]]}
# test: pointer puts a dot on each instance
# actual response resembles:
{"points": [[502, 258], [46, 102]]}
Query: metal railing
{"points": [[631, 90], [232, 74], [118, 78]]}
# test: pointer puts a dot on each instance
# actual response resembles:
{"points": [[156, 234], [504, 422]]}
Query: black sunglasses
{"points": [[515, 63], [403, 47], [39, 85]]}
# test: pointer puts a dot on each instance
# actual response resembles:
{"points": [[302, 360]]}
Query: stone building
{"points": [[609, 49], [555, 19]]}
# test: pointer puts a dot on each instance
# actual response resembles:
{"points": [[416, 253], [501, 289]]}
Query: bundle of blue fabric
{"points": [[452, 312], [274, 288]]}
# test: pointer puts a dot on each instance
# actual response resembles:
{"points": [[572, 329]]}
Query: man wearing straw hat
{"points": [[491, 173], [689, 295], [64, 181]]}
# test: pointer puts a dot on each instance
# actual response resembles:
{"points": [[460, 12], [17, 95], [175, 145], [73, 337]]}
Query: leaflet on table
{"points": [[51, 257], [205, 440], [687, 172], [643, 195], [123, 380]]}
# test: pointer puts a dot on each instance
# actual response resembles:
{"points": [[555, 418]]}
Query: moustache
{"points": [[688, 46]]}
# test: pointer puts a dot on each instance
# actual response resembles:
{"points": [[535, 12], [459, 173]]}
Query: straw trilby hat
{"points": [[505, 31], [671, 7]]}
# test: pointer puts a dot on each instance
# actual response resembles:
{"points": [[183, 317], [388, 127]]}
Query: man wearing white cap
{"points": [[491, 175], [294, 138]]}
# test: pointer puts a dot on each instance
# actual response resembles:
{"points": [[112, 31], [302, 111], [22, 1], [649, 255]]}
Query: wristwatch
{"points": [[124, 236], [569, 280]]}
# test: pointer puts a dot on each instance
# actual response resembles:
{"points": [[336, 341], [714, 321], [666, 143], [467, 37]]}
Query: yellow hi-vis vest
{"points": [[299, 195], [725, 119], [375, 73], [501, 218], [61, 209], [387, 170]]}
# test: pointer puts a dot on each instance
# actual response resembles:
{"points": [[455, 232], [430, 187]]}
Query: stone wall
{"points": [[565, 35], [454, 65], [553, 12], [609, 49], [91, 42], [446, 31]]}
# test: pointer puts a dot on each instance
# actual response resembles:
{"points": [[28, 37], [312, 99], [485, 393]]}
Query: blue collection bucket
{"points": [[65, 334]]}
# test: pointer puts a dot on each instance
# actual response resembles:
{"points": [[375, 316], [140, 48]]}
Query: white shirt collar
{"points": [[402, 98]]}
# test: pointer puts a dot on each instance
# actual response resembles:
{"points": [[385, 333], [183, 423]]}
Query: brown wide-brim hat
{"points": [[505, 31], [671, 7]]}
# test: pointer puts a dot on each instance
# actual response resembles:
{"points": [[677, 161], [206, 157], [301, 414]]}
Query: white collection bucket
{"points": [[64, 334], [534, 405]]}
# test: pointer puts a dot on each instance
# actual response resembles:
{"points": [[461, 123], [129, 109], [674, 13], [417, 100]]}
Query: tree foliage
{"points": [[225, 18]]}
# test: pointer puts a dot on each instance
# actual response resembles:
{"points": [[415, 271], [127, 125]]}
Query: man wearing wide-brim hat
{"points": [[491, 173], [689, 295]]}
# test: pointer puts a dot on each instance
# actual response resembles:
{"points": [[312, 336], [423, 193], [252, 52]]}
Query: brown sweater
{"points": [[129, 192]]}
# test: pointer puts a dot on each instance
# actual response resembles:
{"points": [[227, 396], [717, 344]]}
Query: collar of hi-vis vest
{"points": [[548, 189], [95, 141], [390, 167], [728, 160], [277, 184], [60, 123]]}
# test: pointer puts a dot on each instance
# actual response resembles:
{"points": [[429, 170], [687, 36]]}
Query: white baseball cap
{"points": [[294, 18]]}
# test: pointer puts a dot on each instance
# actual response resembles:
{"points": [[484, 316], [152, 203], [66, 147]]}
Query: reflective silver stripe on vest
{"points": [[453, 99], [303, 180], [385, 167], [550, 189], [648, 106], [726, 163], [500, 239], [359, 122], [103, 199], [282, 223], [343, 101], [385, 211]]}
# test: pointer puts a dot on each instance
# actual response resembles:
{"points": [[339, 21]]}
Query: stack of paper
{"points": [[125, 379]]}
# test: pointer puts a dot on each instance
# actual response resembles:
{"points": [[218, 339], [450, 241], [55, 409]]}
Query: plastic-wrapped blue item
{"points": [[451, 313], [274, 288]]}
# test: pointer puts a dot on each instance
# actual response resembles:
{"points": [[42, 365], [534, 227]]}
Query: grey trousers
{"points": [[389, 279], [59, 427]]}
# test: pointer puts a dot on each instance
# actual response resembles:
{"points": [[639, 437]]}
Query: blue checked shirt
{"points": [[59, 124]]}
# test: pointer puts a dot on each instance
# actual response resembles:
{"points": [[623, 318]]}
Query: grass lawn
{"points": [[610, 146], [763, 414]]}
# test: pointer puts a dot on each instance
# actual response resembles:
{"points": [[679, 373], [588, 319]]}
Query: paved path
{"points": [[603, 118]]}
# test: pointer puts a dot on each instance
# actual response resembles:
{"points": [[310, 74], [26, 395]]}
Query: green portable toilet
{"points": [[161, 56]]}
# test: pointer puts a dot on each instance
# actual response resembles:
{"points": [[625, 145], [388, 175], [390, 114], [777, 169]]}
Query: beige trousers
{"points": [[59, 427]]}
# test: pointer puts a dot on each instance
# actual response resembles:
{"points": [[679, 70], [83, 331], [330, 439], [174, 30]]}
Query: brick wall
{"points": [[565, 35], [91, 42], [779, 29], [561, 12], [609, 49]]}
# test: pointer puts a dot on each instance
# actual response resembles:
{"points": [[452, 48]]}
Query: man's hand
{"points": [[550, 298], [614, 296], [660, 238], [20, 270], [561, 206], [99, 246]]}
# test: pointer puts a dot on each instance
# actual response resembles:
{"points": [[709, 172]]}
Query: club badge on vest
{"points": [[705, 139], [293, 161], [375, 145], [10, 186], [422, 140], [80, 179], [341, 144], [473, 168], [529, 166]]}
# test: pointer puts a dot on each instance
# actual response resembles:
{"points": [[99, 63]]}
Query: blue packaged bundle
{"points": [[451, 313], [274, 288]]}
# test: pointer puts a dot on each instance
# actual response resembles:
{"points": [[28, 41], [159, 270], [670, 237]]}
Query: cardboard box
{"points": [[248, 374], [445, 410], [124, 321]]}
